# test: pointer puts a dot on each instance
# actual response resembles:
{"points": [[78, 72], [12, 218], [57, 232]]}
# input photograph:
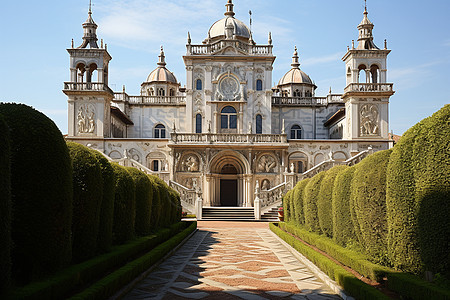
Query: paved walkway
{"points": [[231, 260]]}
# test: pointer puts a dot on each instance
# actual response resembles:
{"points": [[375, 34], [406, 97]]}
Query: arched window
{"points": [[198, 85], [259, 85], [362, 74], [160, 132], [296, 132], [198, 123], [374, 73], [258, 124], [161, 92], [228, 118], [172, 92]]}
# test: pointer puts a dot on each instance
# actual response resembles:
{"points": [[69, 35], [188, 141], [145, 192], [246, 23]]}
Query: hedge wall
{"points": [[5, 207], [156, 202], [310, 203], [343, 232], [298, 200], [287, 206], [144, 196], [324, 200], [176, 200], [369, 200], [104, 239], [41, 189], [418, 193], [124, 205], [87, 200]]}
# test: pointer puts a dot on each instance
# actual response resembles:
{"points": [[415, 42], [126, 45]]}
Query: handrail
{"points": [[187, 195], [272, 196]]}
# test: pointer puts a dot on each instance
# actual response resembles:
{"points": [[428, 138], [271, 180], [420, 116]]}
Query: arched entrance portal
{"points": [[229, 186], [229, 183]]}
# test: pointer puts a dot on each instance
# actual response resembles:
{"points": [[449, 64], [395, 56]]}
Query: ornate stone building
{"points": [[229, 131]]}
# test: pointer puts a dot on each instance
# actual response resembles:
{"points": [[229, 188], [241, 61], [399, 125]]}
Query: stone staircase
{"points": [[271, 215], [228, 214]]}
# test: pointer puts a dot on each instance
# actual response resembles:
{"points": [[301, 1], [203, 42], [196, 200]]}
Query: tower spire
{"points": [[90, 7], [365, 39], [90, 31], [229, 12]]}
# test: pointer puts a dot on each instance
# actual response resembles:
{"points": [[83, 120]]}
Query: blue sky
{"points": [[35, 35]]}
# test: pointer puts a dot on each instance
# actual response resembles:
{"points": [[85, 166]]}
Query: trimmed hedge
{"points": [[310, 203], [124, 205], [418, 193], [415, 288], [288, 207], [144, 196], [298, 201], [369, 200], [345, 279], [104, 239], [65, 282], [324, 200], [41, 189], [110, 284], [87, 197], [343, 232], [5, 207], [177, 210], [156, 202], [353, 259]]}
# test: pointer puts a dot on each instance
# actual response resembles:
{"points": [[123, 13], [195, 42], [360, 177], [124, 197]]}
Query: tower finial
{"points": [[90, 6], [295, 63], [229, 11], [365, 5], [162, 60]]}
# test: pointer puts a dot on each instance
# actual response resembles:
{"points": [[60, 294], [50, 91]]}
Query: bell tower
{"points": [[367, 93], [89, 97]]}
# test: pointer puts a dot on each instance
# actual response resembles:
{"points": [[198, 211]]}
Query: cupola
{"points": [[295, 75], [161, 73], [90, 32], [365, 39]]}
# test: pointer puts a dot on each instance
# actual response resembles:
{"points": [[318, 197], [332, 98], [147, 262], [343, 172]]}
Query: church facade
{"points": [[229, 131]]}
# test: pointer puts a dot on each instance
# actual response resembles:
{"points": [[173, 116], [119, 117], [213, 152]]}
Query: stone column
{"points": [[257, 202], [207, 194]]}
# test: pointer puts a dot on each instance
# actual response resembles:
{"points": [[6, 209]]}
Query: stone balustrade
{"points": [[87, 86], [187, 196], [369, 87], [269, 198], [208, 49], [211, 138], [151, 100]]}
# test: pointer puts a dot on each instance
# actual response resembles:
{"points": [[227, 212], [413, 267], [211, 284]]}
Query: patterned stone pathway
{"points": [[231, 261]]}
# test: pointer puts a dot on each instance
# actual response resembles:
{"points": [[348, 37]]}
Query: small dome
{"points": [[218, 28], [161, 74], [295, 75]]}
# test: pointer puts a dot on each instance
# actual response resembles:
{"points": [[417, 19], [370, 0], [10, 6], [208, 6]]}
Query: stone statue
{"points": [[266, 164], [191, 164], [292, 167], [86, 119], [265, 185]]}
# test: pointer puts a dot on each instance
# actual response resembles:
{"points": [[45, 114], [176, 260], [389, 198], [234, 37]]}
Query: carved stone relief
{"points": [[134, 154], [86, 118], [265, 185], [266, 164], [190, 164], [368, 117]]}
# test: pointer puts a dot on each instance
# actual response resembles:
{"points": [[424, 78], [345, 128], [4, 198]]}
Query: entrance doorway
{"points": [[228, 192]]}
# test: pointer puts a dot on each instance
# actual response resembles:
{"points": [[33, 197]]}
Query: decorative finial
{"points": [[270, 38], [189, 38], [282, 128], [348, 48], [123, 88], [174, 129], [330, 90], [250, 13], [106, 47], [365, 6], [72, 43], [295, 63], [353, 44], [162, 61], [229, 11], [101, 43], [90, 7], [385, 44]]}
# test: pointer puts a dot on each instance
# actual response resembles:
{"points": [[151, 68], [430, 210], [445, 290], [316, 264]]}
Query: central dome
{"points": [[218, 28]]}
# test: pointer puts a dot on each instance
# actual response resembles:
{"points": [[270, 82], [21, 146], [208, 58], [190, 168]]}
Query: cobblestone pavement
{"points": [[234, 261]]}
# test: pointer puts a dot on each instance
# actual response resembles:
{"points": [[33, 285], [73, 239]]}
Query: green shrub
{"points": [[124, 206], [287, 206], [87, 197], [104, 239], [5, 207], [144, 196], [156, 202], [176, 212], [369, 200], [298, 201], [351, 284], [310, 203], [418, 193], [343, 232], [324, 200], [415, 288], [166, 204], [41, 191]]}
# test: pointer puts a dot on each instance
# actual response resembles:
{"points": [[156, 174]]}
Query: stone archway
{"points": [[227, 183]]}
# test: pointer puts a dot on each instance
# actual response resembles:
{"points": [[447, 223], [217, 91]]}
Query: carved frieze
{"points": [[86, 118], [368, 117], [266, 164]]}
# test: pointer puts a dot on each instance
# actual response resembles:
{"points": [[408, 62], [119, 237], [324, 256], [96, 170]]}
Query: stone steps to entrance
{"points": [[271, 215], [228, 213]]}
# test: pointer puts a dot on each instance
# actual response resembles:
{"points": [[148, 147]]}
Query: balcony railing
{"points": [[260, 50], [299, 101], [211, 138], [87, 86], [369, 87], [155, 100]]}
